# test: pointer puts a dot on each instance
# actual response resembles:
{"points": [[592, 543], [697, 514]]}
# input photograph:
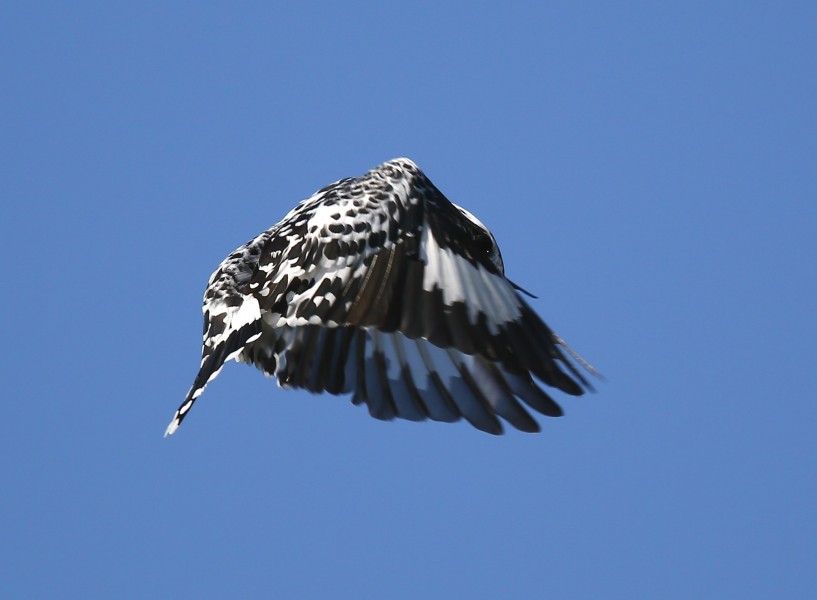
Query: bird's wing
{"points": [[382, 287]]}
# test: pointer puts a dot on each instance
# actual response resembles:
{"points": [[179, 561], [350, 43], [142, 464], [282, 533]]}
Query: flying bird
{"points": [[378, 286]]}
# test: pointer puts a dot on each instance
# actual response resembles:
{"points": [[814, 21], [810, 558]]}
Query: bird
{"points": [[380, 287]]}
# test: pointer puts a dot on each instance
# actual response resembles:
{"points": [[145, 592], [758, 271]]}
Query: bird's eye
{"points": [[484, 243]]}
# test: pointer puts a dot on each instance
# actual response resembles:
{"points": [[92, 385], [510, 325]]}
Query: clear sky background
{"points": [[649, 170]]}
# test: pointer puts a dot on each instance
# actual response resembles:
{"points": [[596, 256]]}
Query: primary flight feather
{"points": [[380, 287]]}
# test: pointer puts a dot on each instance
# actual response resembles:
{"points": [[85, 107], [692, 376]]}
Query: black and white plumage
{"points": [[380, 287]]}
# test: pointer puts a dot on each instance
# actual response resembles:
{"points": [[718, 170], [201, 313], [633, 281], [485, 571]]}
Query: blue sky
{"points": [[649, 172]]}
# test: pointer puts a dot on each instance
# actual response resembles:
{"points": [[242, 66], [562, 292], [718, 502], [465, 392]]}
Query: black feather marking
{"points": [[471, 400], [445, 408], [411, 324], [261, 353], [339, 381], [432, 316], [322, 363], [367, 291], [378, 397], [539, 339], [489, 377], [524, 387], [384, 407], [345, 368], [460, 328], [359, 349], [407, 399], [307, 357], [384, 281]]}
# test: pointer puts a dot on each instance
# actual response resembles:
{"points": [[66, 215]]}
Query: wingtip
{"points": [[174, 425]]}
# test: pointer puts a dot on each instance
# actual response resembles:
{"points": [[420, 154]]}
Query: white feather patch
{"points": [[461, 281]]}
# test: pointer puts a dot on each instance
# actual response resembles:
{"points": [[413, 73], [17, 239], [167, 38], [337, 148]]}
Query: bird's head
{"points": [[484, 239]]}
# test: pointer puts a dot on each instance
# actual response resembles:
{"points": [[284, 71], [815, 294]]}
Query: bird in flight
{"points": [[378, 286]]}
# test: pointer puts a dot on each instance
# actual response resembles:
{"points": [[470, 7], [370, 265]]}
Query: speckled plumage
{"points": [[380, 287]]}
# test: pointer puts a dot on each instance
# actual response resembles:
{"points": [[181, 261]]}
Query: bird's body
{"points": [[381, 287]]}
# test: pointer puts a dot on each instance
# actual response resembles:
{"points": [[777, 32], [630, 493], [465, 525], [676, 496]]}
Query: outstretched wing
{"points": [[386, 289]]}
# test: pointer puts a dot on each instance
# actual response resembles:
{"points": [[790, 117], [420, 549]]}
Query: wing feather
{"points": [[379, 286]]}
